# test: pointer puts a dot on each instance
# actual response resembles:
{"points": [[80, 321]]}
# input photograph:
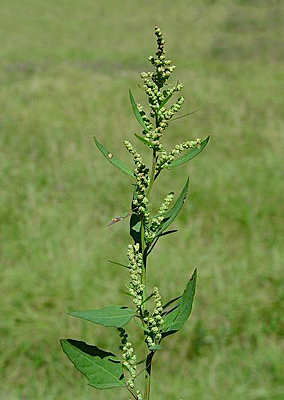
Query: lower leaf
{"points": [[176, 318], [102, 369]]}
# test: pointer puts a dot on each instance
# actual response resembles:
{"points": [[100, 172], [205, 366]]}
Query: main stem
{"points": [[150, 355]]}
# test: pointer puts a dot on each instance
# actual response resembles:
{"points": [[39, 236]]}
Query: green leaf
{"points": [[114, 160], [119, 264], [173, 212], [147, 298], [165, 101], [116, 316], [168, 232], [177, 317], [137, 113], [189, 155], [144, 140], [169, 303], [102, 369]]}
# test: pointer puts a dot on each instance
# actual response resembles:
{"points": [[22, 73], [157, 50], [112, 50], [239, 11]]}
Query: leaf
{"points": [[137, 113], [175, 320], [147, 298], [144, 140], [116, 316], [117, 263], [102, 369], [114, 160], [189, 155], [165, 101], [168, 232], [166, 306], [185, 115], [173, 212]]}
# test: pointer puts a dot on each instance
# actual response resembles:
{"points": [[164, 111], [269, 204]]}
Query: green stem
{"points": [[149, 356]]}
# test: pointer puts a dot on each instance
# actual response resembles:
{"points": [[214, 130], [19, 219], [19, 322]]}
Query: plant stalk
{"points": [[149, 356]]}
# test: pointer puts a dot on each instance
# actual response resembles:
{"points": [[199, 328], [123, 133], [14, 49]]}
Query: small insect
{"points": [[119, 218], [110, 155]]}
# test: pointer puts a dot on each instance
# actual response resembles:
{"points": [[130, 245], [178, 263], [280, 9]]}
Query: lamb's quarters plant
{"points": [[157, 318]]}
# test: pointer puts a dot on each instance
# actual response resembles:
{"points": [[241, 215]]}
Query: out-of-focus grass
{"points": [[65, 70]]}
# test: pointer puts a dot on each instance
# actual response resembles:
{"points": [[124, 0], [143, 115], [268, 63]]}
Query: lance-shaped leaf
{"points": [[136, 112], [165, 100], [175, 319], [189, 155], [167, 308], [173, 212], [116, 316], [114, 160], [144, 140], [102, 369]]}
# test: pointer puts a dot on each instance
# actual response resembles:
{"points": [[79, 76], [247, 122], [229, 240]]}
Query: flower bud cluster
{"points": [[146, 120], [130, 358], [173, 109], [164, 67], [152, 84], [152, 92], [136, 288], [139, 395], [141, 172], [157, 220], [165, 158], [155, 321]]}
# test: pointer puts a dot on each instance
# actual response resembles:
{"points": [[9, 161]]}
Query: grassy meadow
{"points": [[65, 70]]}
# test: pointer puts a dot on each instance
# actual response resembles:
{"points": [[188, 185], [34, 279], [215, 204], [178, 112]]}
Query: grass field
{"points": [[65, 70]]}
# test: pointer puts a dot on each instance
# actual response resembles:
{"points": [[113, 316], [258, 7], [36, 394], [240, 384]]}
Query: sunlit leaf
{"points": [[173, 212], [189, 155], [116, 316], [165, 101], [102, 369], [136, 112], [114, 160], [144, 140], [175, 319]]}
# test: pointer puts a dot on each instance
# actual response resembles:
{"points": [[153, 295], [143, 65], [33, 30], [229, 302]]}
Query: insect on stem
{"points": [[119, 218]]}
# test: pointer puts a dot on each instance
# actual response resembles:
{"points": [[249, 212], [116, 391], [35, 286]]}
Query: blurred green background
{"points": [[66, 67]]}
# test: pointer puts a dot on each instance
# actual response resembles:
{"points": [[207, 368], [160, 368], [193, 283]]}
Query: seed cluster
{"points": [[130, 358], [153, 84], [157, 220], [154, 321], [166, 158], [141, 172], [135, 264]]}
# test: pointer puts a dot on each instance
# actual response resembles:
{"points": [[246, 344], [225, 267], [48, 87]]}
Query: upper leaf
{"points": [[102, 369], [176, 318], [137, 113], [114, 160], [173, 212], [189, 155], [144, 140], [116, 316], [165, 100]]}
